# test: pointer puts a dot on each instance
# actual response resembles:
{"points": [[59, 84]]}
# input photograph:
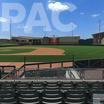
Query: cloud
{"points": [[4, 20], [95, 15], [58, 6]]}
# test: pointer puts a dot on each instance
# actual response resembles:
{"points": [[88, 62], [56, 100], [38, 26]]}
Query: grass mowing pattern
{"points": [[14, 51], [79, 52], [7, 44]]}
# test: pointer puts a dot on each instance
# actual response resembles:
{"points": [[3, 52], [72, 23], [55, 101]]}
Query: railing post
{"points": [[50, 65], [61, 64], [37, 71], [24, 64], [15, 72], [0, 74], [73, 61], [70, 74], [38, 66]]}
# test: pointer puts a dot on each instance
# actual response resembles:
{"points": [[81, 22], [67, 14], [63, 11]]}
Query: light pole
{"points": [[99, 31], [99, 26], [72, 36], [10, 28]]}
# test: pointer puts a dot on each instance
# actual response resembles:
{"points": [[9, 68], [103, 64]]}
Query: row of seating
{"points": [[60, 85], [48, 92]]}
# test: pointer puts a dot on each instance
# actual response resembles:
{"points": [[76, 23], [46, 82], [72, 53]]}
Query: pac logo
{"points": [[31, 21]]}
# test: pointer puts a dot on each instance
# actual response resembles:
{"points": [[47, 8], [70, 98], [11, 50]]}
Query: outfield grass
{"points": [[79, 52], [7, 44], [14, 51]]}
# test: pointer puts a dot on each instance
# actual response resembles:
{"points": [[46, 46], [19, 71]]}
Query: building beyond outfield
{"points": [[98, 38], [23, 40]]}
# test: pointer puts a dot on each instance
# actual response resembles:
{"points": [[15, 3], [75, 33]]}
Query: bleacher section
{"points": [[53, 85], [49, 92]]}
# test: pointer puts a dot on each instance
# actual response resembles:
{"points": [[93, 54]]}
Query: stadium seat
{"points": [[38, 86], [52, 97], [66, 86], [6, 86], [75, 97], [28, 97], [21, 85], [52, 86], [7, 97]]}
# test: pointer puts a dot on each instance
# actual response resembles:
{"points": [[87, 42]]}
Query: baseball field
{"points": [[50, 53]]}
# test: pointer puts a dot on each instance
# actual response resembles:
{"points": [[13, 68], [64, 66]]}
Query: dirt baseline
{"points": [[19, 64]]}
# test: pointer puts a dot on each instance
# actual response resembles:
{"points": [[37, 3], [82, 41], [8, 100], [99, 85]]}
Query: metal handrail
{"points": [[13, 71]]}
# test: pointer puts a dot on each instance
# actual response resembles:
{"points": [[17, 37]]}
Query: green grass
{"points": [[7, 44], [79, 52], [14, 51]]}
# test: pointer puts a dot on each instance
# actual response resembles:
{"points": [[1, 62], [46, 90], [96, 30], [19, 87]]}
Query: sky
{"points": [[39, 18]]}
